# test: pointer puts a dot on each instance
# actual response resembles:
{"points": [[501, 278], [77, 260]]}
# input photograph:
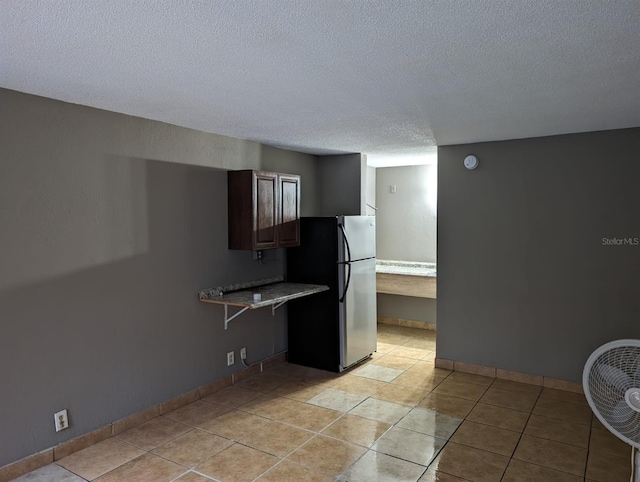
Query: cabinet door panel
{"points": [[289, 211], [265, 199]]}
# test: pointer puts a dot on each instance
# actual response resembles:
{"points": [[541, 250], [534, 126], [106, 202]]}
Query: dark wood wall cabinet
{"points": [[264, 210]]}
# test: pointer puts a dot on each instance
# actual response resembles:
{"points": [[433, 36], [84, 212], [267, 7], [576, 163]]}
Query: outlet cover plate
{"points": [[230, 359], [61, 419]]}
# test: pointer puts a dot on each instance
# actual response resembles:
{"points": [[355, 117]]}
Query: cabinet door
{"points": [[289, 228], [265, 210]]}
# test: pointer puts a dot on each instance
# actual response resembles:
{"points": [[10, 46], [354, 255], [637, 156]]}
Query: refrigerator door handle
{"points": [[347, 262], [346, 242], [346, 285]]}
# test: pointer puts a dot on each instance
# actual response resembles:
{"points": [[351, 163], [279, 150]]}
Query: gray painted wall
{"points": [[340, 187], [524, 280], [110, 226], [291, 162], [370, 191], [406, 220]]}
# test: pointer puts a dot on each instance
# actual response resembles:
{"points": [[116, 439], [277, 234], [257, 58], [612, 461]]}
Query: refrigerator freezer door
{"points": [[361, 235], [358, 317]]}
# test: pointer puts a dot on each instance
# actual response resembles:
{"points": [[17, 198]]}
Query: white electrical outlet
{"points": [[243, 353], [61, 419], [230, 359]]}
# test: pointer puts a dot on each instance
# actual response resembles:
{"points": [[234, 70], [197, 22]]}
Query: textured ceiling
{"points": [[389, 78]]}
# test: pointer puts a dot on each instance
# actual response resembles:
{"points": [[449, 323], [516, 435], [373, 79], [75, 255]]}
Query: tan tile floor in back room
{"points": [[395, 418]]}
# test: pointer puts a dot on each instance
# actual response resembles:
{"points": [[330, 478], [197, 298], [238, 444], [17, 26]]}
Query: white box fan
{"points": [[611, 382]]}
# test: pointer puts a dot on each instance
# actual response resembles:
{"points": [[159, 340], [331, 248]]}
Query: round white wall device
{"points": [[471, 162]]}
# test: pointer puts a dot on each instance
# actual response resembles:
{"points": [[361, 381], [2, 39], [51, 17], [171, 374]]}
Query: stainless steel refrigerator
{"points": [[335, 329]]}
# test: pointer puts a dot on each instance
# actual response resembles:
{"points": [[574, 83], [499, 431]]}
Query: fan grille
{"points": [[612, 373]]}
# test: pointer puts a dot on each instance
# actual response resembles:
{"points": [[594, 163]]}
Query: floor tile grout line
{"points": [[457, 428], [352, 464], [78, 475], [370, 449], [126, 462], [553, 440], [180, 475], [208, 477], [586, 464], [315, 433], [533, 463], [315, 470], [521, 434], [545, 467], [284, 459], [187, 469], [394, 425], [233, 442], [387, 455]]}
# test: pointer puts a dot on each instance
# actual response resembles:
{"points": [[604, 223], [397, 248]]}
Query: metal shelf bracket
{"points": [[227, 318], [275, 306]]}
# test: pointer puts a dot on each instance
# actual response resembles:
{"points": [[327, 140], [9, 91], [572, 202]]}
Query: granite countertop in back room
{"points": [[407, 268]]}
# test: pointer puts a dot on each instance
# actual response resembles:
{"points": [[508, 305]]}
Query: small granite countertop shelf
{"points": [[273, 292]]}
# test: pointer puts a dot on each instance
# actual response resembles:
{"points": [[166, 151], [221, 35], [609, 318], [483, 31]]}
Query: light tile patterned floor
{"points": [[394, 418]]}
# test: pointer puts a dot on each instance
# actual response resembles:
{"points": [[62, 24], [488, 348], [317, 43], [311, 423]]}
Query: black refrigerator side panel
{"points": [[313, 329]]}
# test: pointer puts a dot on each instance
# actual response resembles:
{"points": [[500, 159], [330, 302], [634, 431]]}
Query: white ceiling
{"points": [[389, 78]]}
